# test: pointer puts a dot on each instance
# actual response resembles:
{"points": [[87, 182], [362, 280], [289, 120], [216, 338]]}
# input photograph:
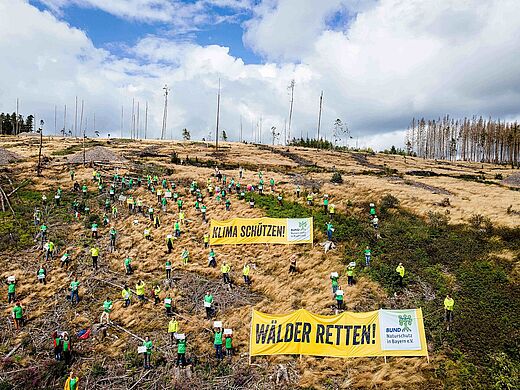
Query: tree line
{"points": [[11, 124], [468, 139]]}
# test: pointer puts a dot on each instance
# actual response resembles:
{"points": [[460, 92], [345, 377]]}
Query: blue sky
{"points": [[380, 63], [115, 34]]}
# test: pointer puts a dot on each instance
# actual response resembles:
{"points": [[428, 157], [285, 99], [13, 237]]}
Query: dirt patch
{"points": [[95, 154], [286, 153], [7, 157], [512, 180]]}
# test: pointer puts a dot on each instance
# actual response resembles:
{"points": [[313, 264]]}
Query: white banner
{"points": [[399, 330]]}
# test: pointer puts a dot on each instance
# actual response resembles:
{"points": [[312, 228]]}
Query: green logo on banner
{"points": [[303, 225], [406, 321]]}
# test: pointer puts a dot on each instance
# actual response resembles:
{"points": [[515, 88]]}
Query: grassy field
{"points": [[469, 248]]}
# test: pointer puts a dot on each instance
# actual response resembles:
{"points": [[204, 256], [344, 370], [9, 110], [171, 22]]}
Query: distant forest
{"points": [[475, 139], [10, 124]]}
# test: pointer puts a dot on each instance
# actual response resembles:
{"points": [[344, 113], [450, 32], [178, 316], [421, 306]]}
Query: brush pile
{"points": [[7, 157], [97, 153]]}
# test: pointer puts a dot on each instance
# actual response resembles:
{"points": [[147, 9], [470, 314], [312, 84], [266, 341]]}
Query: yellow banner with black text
{"points": [[261, 231], [375, 333]]}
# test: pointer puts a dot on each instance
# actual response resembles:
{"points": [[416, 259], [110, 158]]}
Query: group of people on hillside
{"points": [[165, 191]]}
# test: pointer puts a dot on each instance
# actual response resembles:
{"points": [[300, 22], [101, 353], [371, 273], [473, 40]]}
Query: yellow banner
{"points": [[261, 231], [375, 333]]}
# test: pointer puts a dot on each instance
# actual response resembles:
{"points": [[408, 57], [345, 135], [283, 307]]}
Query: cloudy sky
{"points": [[378, 62]]}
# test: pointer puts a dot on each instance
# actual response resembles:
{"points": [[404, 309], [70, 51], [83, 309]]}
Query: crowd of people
{"points": [[168, 198]]}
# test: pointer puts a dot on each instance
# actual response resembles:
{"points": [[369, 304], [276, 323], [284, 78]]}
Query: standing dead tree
{"points": [[475, 139]]}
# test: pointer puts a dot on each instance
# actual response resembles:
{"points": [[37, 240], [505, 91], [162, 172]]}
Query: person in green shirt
{"points": [[185, 256], [326, 203], [128, 266], [212, 258], [168, 268], [330, 229], [217, 342], [72, 382], [67, 349], [71, 175], [58, 348], [41, 275], [177, 228], [203, 210], [107, 308], [94, 229], [18, 315], [229, 344], [74, 291], [339, 298], [113, 235], [168, 305], [335, 283], [228, 204], [148, 354], [208, 303], [181, 353], [368, 256], [372, 210], [179, 204], [11, 292]]}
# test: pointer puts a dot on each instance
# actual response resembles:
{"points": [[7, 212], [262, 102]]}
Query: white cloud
{"points": [[183, 16], [393, 61]]}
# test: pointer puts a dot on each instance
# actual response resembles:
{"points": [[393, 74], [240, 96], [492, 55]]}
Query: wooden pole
{"points": [[319, 115], [218, 114]]}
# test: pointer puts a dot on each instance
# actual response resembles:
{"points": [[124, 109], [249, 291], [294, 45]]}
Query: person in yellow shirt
{"points": [[448, 310], [173, 328], [225, 268], [72, 382], [94, 252], [139, 290], [400, 272], [245, 271]]}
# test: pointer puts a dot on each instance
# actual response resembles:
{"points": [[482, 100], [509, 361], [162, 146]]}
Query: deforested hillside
{"points": [[454, 227]]}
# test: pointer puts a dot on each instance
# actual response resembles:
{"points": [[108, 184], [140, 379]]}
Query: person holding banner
{"points": [[448, 310], [217, 342], [173, 329], [339, 298], [212, 258], [169, 243]]}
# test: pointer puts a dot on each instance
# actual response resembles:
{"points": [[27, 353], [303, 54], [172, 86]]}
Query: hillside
{"points": [[455, 227]]}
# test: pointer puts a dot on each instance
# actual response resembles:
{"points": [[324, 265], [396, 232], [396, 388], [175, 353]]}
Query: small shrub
{"points": [[480, 222], [498, 176], [336, 178], [437, 219], [389, 202]]}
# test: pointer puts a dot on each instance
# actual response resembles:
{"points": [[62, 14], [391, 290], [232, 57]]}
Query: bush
{"points": [[389, 202], [480, 222], [336, 178], [437, 219]]}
